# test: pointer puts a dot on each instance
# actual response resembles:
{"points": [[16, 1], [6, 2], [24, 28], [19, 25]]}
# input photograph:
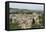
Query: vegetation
{"points": [[19, 13]]}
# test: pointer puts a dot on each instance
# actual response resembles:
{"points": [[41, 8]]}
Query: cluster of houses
{"points": [[25, 20]]}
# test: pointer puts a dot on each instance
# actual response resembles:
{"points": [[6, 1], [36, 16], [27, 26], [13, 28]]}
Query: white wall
{"points": [[2, 16]]}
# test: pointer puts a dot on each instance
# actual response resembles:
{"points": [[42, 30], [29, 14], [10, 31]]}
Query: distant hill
{"points": [[16, 10]]}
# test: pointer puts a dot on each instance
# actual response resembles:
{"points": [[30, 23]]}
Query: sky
{"points": [[26, 6]]}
